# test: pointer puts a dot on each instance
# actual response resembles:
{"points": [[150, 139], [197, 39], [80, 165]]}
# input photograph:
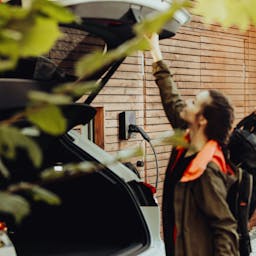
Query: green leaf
{"points": [[3, 170], [9, 51], [11, 34], [91, 63], [14, 205], [55, 11], [129, 153], [8, 64], [6, 39], [76, 89], [41, 194], [10, 12], [40, 37], [11, 138], [50, 174], [227, 12], [49, 119], [70, 169], [251, 9], [175, 138], [94, 60], [156, 21], [88, 167], [31, 31], [38, 193], [211, 10], [237, 12], [49, 98]]}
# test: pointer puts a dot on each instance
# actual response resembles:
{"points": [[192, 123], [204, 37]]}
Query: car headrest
{"points": [[22, 168], [14, 92], [74, 113], [77, 113]]}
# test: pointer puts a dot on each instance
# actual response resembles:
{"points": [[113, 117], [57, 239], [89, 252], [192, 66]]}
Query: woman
{"points": [[197, 220]]}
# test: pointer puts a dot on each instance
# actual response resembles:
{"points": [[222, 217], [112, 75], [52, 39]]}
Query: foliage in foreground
{"points": [[32, 31], [42, 111]]}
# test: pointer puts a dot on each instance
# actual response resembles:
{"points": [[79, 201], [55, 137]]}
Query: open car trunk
{"points": [[97, 217], [110, 20], [99, 214]]}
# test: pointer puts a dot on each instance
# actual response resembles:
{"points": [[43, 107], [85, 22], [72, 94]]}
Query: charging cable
{"points": [[133, 128]]}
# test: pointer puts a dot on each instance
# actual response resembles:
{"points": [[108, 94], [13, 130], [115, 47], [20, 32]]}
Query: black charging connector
{"points": [[134, 128]]}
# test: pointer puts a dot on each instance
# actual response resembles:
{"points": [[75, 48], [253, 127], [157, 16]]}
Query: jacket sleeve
{"points": [[171, 100], [210, 192]]}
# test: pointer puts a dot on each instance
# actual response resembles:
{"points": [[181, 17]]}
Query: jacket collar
{"points": [[210, 152]]}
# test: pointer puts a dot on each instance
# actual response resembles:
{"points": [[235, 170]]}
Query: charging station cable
{"points": [[133, 128]]}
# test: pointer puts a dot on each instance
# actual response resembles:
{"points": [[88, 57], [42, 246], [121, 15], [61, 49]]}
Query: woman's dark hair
{"points": [[220, 116]]}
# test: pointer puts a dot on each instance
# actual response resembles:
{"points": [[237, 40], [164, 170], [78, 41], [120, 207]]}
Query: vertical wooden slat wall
{"points": [[200, 57]]}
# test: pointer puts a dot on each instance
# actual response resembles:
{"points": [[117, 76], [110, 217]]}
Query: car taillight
{"points": [[152, 188], [3, 226]]}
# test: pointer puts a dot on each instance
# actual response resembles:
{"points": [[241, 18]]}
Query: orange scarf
{"points": [[210, 152]]}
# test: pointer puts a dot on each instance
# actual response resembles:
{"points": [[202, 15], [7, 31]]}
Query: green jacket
{"points": [[205, 226]]}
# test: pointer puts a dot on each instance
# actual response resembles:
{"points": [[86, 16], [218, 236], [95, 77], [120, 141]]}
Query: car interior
{"points": [[98, 215]]}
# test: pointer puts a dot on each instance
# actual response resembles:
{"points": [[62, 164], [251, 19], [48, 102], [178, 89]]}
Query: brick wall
{"points": [[200, 58]]}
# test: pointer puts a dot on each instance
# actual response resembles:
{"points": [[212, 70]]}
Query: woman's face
{"points": [[194, 107]]}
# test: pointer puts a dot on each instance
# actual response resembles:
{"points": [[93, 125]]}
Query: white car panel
{"points": [[102, 156], [152, 217], [115, 9], [7, 248]]}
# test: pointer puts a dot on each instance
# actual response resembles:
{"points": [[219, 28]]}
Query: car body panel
{"points": [[7, 248], [119, 6], [152, 216], [122, 10], [102, 156], [151, 213]]}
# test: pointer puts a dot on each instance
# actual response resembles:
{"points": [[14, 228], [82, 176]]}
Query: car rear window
{"points": [[73, 45]]}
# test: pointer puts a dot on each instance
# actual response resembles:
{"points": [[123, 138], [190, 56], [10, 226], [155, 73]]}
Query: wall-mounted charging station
{"points": [[128, 127], [125, 119]]}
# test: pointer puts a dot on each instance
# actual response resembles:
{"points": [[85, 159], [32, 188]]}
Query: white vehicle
{"points": [[107, 212], [127, 11]]}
